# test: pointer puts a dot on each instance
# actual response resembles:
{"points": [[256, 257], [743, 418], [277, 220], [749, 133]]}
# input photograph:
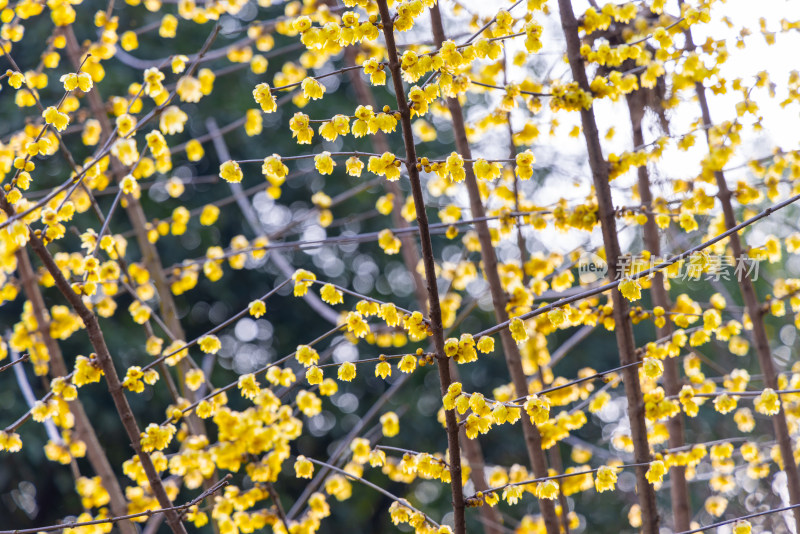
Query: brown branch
{"points": [[533, 440], [21, 359], [779, 423], [623, 326], [679, 489], [434, 310]]}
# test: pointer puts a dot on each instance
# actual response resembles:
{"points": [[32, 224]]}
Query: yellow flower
{"points": [[156, 437], [399, 513], [55, 118], [385, 165], [300, 129], [15, 79], [133, 379], [314, 375], [605, 479], [72, 81], [724, 403], [324, 163], [209, 344], [630, 289], [86, 371], [768, 403], [306, 355], [338, 125], [129, 41], [253, 122], [263, 96], [524, 167], [376, 72], [557, 316], [308, 403], [716, 505], [169, 26], [742, 527], [487, 171], [274, 170], [388, 313], [91, 132], [354, 166], [303, 468], [194, 150], [455, 167], [178, 63], [174, 187], [194, 379], [249, 386], [156, 142], [686, 398], [302, 281], [424, 130], [547, 489], [172, 120], [451, 347], [139, 312], [407, 363], [390, 424], [486, 344], [656, 472], [330, 294], [385, 204], [356, 324], [538, 408], [257, 308], [347, 371], [209, 215], [10, 442], [518, 331], [328, 387], [388, 242], [653, 368], [230, 172], [383, 369], [312, 89]]}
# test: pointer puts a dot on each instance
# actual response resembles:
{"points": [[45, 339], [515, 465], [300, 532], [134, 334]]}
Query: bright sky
{"points": [[781, 126]]}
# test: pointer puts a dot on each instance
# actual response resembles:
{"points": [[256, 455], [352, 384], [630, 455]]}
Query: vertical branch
{"points": [[513, 358], [83, 426], [410, 253], [754, 309], [434, 309], [679, 489], [623, 327]]}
